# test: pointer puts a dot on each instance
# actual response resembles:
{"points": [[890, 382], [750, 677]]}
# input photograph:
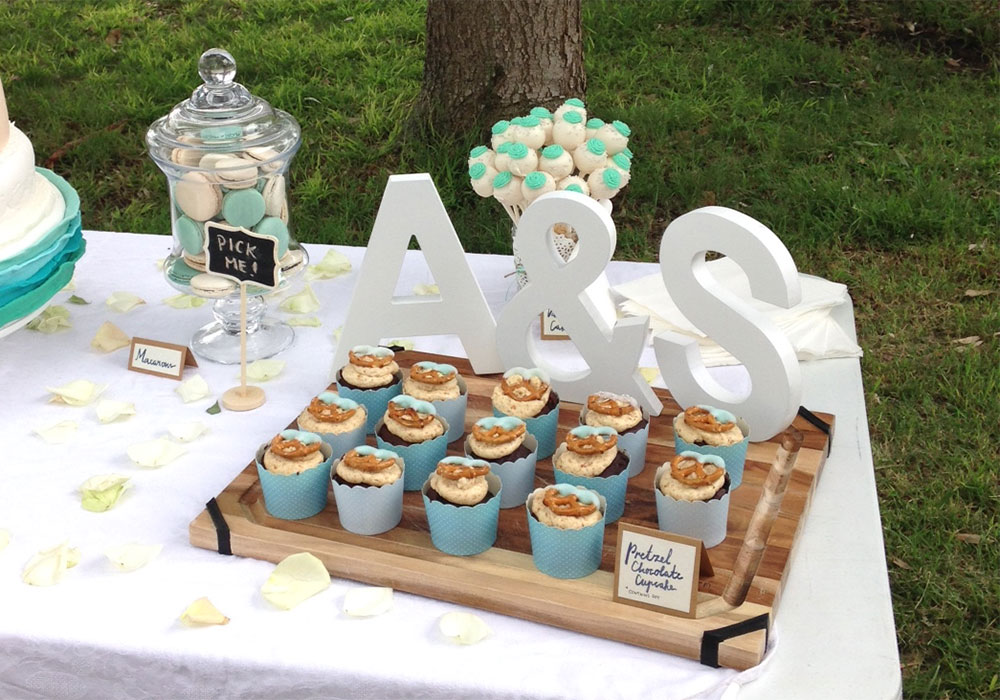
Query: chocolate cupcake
{"points": [[621, 412], [338, 420], [413, 429], [462, 502], [294, 472], [714, 431], [566, 526], [511, 452], [591, 457], [442, 385], [368, 490], [527, 394], [692, 497], [371, 377]]}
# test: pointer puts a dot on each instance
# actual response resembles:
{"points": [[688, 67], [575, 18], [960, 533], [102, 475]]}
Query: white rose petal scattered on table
{"points": [[109, 410], [48, 567], [124, 301], [58, 433], [186, 432], [305, 302], [109, 338], [70, 286], [4, 539], [193, 389], [51, 320], [154, 453], [101, 493], [463, 628], [368, 601], [202, 612], [132, 556], [425, 290], [333, 264], [184, 301], [160, 263], [336, 333], [264, 370], [311, 321], [295, 579], [649, 373], [79, 392]]}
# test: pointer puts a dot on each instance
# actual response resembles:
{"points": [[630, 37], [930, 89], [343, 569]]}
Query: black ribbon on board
{"points": [[711, 639], [221, 527], [818, 423]]}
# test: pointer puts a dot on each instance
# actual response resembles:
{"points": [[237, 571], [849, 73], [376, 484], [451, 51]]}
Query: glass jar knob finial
{"points": [[217, 67]]}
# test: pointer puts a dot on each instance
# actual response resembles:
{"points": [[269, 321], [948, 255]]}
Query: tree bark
{"points": [[489, 60]]}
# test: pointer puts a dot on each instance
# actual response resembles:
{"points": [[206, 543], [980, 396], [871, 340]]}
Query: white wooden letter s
{"points": [[767, 354]]}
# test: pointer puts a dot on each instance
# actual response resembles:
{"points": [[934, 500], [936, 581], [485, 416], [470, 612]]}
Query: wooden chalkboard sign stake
{"points": [[245, 257]]}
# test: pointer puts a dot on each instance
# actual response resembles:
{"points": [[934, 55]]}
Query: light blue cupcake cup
{"points": [[735, 456], [612, 488], [701, 520], [369, 510], [453, 411], [421, 458], [340, 443], [375, 401], [464, 530], [543, 427], [634, 443], [565, 553], [295, 496], [517, 477]]}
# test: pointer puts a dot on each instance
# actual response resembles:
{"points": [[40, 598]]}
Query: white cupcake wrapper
{"points": [[369, 510], [634, 443], [702, 520]]}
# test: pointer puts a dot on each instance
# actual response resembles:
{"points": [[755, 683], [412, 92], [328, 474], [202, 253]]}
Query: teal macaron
{"points": [[243, 207], [273, 226], [189, 234]]}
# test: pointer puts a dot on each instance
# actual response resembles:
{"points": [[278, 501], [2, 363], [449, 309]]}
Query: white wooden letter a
{"points": [[411, 207]]}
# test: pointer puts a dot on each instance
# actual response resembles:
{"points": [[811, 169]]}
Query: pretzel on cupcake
{"points": [[432, 373], [522, 384], [408, 414], [369, 460], [691, 471], [586, 440], [701, 418], [370, 356], [568, 504], [609, 404], [295, 444], [329, 408], [455, 471], [495, 432]]}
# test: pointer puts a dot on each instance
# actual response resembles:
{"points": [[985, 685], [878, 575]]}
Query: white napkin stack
{"points": [[809, 325]]}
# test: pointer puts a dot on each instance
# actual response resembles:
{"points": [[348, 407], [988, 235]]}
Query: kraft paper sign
{"points": [[551, 328], [658, 570], [241, 255], [161, 359]]}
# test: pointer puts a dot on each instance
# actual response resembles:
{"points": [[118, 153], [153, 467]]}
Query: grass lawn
{"points": [[864, 135]]}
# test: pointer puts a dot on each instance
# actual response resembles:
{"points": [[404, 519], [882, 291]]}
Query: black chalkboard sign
{"points": [[241, 255]]}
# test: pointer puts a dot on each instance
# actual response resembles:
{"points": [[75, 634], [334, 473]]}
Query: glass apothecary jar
{"points": [[226, 155]]}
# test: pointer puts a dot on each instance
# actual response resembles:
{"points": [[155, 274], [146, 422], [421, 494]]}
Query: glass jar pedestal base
{"points": [[219, 341]]}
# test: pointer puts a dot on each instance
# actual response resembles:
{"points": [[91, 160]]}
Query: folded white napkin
{"points": [[809, 325]]}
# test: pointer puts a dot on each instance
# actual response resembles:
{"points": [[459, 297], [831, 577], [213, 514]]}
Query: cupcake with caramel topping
{"points": [[294, 472], [462, 501], [339, 421], [442, 385], [413, 429], [371, 377], [566, 525], [527, 394], [714, 431], [591, 457], [621, 412], [692, 497], [368, 489], [511, 452]]}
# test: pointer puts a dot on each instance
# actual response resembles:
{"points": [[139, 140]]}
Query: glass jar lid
{"points": [[221, 116]]}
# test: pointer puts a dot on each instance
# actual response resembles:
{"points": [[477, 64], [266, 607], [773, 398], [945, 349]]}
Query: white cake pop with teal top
{"points": [[569, 131], [481, 154], [615, 136], [501, 133], [604, 183], [523, 160], [593, 125], [532, 132], [556, 161], [574, 183], [481, 176], [623, 165], [545, 120], [536, 184], [507, 189], [573, 104], [590, 156], [501, 162]]}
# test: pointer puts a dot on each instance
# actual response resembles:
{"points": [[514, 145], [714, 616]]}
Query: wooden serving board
{"points": [[504, 578]]}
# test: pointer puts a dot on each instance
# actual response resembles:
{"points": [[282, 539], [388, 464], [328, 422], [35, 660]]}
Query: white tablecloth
{"points": [[101, 633]]}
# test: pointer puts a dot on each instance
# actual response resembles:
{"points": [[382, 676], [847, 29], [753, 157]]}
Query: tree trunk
{"points": [[489, 60]]}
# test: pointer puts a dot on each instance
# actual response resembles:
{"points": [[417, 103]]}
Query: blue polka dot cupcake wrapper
{"points": [[735, 456], [702, 520], [341, 443], [421, 458], [464, 530], [375, 401], [518, 477], [295, 496], [453, 411], [543, 427], [369, 510], [634, 443], [612, 488], [565, 553]]}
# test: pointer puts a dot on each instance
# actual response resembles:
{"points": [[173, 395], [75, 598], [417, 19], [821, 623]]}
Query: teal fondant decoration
{"points": [[517, 151], [506, 422], [575, 102], [573, 188], [535, 180], [528, 373], [501, 179], [303, 436], [439, 367], [719, 414], [516, 121], [585, 496], [332, 399], [365, 450], [612, 178], [477, 151], [530, 121], [504, 147], [622, 128], [595, 123], [425, 407], [541, 113], [573, 117], [500, 127], [477, 170], [621, 161], [586, 431], [552, 152], [705, 459], [465, 461], [372, 350], [628, 152], [596, 146]]}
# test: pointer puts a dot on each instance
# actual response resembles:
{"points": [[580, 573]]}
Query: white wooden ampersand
{"points": [[611, 350], [411, 206], [767, 354]]}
